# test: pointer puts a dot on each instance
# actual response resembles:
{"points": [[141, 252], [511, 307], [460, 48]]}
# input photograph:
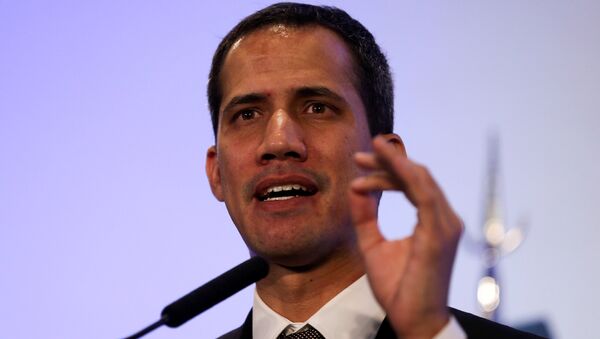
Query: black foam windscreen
{"points": [[215, 291]]}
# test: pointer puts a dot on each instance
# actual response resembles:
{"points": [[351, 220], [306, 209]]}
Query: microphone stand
{"points": [[148, 329], [209, 294]]}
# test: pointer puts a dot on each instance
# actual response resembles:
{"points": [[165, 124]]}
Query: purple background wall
{"points": [[105, 212]]}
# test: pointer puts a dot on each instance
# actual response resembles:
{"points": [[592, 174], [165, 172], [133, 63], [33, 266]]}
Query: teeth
{"points": [[279, 198], [286, 188]]}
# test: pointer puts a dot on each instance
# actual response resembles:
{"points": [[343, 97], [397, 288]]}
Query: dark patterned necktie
{"points": [[306, 332]]}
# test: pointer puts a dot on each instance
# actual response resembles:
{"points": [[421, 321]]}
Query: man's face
{"points": [[289, 123]]}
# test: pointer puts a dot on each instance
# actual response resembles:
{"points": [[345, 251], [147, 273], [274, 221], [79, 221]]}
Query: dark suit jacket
{"points": [[474, 326]]}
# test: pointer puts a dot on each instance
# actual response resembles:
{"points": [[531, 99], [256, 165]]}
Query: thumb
{"points": [[363, 208]]}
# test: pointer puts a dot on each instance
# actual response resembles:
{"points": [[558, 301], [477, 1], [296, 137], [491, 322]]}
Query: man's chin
{"points": [[298, 260]]}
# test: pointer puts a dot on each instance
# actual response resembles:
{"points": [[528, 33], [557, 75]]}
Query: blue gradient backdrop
{"points": [[105, 212]]}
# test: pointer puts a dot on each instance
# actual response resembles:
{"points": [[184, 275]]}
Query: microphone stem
{"points": [[149, 329]]}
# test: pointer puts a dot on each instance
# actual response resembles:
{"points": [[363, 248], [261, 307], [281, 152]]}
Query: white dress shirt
{"points": [[353, 313]]}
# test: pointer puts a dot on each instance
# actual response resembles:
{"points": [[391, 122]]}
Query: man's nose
{"points": [[283, 139]]}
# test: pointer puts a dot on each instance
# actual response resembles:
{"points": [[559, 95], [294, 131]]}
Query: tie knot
{"points": [[306, 332]]}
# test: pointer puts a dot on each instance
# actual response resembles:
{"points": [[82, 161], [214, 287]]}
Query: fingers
{"points": [[374, 182], [415, 179], [378, 179], [389, 169]]}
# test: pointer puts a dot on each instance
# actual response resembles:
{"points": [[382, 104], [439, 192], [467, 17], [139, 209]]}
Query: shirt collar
{"points": [[353, 313]]}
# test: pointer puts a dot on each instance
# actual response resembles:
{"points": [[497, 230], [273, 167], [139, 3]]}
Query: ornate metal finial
{"points": [[498, 240]]}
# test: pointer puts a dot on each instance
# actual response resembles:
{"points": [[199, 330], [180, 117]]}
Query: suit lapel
{"points": [[242, 332], [246, 328], [385, 330]]}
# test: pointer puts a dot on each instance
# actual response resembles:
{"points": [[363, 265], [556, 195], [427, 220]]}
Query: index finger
{"points": [[420, 187]]}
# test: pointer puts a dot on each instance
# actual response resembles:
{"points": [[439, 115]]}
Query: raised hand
{"points": [[410, 276]]}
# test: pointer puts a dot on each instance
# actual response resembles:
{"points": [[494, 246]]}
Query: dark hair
{"points": [[371, 68]]}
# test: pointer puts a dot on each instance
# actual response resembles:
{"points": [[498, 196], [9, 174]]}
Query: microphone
{"points": [[209, 294]]}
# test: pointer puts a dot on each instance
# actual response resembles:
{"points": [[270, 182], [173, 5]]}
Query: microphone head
{"points": [[215, 291]]}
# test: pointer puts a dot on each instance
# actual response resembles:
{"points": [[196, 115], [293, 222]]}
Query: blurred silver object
{"points": [[497, 239]]}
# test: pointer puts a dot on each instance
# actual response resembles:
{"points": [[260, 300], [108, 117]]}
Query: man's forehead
{"points": [[283, 47], [261, 39], [281, 30]]}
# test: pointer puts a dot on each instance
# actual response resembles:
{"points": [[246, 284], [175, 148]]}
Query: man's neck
{"points": [[297, 295]]}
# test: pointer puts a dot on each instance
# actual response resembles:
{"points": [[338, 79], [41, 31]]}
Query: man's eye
{"points": [[247, 114], [317, 108]]}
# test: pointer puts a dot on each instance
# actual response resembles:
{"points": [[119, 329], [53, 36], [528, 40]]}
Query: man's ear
{"points": [[395, 140], [213, 173]]}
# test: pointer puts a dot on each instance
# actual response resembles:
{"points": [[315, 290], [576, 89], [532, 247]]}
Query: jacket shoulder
{"points": [[235, 334], [242, 332], [477, 327]]}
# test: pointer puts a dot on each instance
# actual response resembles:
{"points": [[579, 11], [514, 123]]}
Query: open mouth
{"points": [[285, 192]]}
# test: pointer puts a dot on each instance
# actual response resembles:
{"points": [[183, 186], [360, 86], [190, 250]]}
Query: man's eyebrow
{"points": [[244, 99], [302, 92], [318, 91]]}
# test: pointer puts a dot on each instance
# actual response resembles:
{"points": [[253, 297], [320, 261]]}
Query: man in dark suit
{"points": [[301, 101]]}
